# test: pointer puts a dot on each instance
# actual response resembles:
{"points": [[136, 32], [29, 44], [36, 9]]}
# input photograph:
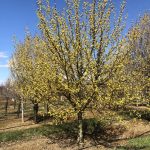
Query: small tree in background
{"points": [[139, 58], [4, 96], [30, 70]]}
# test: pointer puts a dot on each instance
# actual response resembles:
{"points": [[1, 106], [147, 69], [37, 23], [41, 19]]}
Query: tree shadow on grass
{"points": [[66, 134], [103, 135], [40, 118]]}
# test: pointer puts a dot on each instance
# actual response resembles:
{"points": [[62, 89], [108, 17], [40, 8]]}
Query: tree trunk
{"points": [[80, 130], [6, 106], [22, 111], [19, 107], [14, 103], [46, 108], [35, 109]]}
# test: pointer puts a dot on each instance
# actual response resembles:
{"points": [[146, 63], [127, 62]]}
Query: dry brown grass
{"points": [[135, 127], [43, 143]]}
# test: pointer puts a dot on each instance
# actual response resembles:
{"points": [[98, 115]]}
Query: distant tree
{"points": [[5, 95], [11, 89], [139, 58], [30, 70]]}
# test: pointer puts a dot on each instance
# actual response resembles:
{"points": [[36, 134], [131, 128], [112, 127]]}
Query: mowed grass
{"points": [[69, 129], [43, 130], [28, 133], [140, 143]]}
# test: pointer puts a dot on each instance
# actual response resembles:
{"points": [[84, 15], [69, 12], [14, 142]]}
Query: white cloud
{"points": [[5, 62], [3, 55], [4, 66]]}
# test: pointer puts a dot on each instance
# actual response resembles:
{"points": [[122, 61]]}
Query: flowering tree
{"points": [[84, 43], [139, 58], [30, 71]]}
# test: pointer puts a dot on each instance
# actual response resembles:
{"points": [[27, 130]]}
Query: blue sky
{"points": [[17, 15]]}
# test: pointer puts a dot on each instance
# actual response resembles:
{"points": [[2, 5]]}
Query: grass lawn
{"points": [[43, 130], [28, 133], [140, 143]]}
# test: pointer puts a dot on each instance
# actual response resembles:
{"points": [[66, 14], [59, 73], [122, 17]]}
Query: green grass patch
{"points": [[62, 130], [28, 133], [44, 130], [11, 136], [140, 143]]}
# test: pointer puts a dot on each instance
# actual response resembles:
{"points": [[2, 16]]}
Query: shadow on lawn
{"points": [[94, 133], [66, 134], [40, 118]]}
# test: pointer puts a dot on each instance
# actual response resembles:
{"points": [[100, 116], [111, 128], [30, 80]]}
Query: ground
{"points": [[119, 134], [43, 143], [134, 128]]}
